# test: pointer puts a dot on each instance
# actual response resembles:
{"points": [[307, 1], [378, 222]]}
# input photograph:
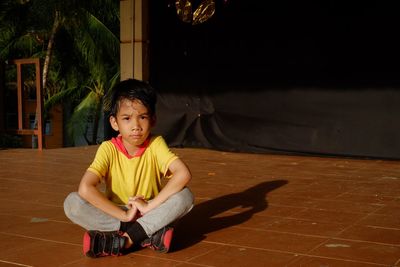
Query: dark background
{"points": [[316, 77]]}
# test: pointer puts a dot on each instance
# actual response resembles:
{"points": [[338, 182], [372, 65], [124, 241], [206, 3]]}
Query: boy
{"points": [[135, 210]]}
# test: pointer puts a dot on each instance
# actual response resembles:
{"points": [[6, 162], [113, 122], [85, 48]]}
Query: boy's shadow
{"points": [[193, 228]]}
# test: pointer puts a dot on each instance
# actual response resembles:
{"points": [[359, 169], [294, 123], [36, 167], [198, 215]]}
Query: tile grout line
{"points": [[363, 241], [202, 254], [346, 228], [41, 239], [32, 217], [357, 221], [292, 253], [30, 181], [16, 263], [327, 239], [37, 203], [168, 259], [317, 236], [381, 227], [282, 232], [72, 262], [322, 209], [338, 259]]}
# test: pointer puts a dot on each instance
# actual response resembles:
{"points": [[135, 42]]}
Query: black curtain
{"points": [[282, 76]]}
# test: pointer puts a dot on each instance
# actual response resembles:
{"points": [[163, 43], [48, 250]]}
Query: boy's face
{"points": [[133, 122]]}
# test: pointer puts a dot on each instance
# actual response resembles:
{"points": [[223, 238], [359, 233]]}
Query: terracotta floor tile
{"points": [[30, 185], [281, 210], [251, 210], [381, 189], [308, 261], [29, 209], [359, 251], [391, 209], [10, 223], [370, 199], [24, 196], [243, 256], [387, 221], [11, 243], [347, 206], [260, 222], [41, 228], [388, 236], [43, 253], [180, 250], [319, 215], [208, 191], [277, 241], [131, 259], [225, 236], [191, 265], [315, 193], [334, 184], [294, 201], [307, 227]]}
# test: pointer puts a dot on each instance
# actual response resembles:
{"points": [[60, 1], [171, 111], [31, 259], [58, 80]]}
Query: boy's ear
{"points": [[113, 123]]}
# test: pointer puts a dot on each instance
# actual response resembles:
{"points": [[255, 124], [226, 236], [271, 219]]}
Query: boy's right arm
{"points": [[88, 190]]}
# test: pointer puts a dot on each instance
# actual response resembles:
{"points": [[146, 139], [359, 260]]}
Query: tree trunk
{"points": [[49, 51], [46, 63]]}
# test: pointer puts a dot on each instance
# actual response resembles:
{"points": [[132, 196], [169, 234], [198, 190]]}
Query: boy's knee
{"points": [[71, 205], [188, 195], [185, 197]]}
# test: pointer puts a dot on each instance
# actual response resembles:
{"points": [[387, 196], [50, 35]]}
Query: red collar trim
{"points": [[117, 141]]}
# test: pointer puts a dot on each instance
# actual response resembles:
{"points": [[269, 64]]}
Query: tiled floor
{"points": [[252, 210]]}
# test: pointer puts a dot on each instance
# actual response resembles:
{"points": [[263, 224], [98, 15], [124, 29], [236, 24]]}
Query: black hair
{"points": [[132, 89]]}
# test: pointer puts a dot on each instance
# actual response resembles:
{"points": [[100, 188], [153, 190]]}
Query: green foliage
{"points": [[83, 113], [84, 60]]}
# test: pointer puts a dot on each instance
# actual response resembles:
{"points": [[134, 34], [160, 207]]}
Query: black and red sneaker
{"points": [[160, 241], [99, 244]]}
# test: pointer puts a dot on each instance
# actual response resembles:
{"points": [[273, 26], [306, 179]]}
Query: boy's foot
{"points": [[98, 244], [160, 241]]}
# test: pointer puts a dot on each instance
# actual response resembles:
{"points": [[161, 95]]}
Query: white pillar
{"points": [[134, 58]]}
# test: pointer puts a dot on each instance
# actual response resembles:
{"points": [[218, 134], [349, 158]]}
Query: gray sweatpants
{"points": [[89, 217]]}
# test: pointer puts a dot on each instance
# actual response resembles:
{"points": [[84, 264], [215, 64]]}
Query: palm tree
{"points": [[101, 64], [78, 42], [17, 37], [90, 109]]}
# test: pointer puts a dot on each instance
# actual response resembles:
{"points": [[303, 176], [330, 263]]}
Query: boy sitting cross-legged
{"points": [[135, 209]]}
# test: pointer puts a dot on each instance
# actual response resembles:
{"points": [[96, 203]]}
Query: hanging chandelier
{"points": [[203, 12]]}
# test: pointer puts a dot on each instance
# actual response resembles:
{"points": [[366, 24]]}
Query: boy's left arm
{"points": [[180, 178]]}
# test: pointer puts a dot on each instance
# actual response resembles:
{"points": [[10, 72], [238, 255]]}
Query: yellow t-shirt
{"points": [[132, 176]]}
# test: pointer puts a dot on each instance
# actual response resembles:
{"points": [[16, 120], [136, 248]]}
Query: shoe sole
{"points": [[87, 246], [167, 238]]}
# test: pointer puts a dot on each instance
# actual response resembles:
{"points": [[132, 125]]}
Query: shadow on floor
{"points": [[206, 216]]}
